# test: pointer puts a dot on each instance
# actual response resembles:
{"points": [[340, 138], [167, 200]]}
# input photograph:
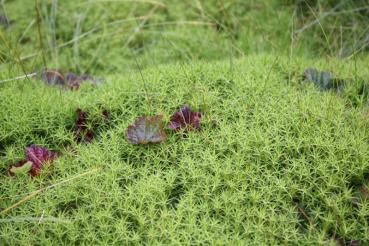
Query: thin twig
{"points": [[317, 20], [304, 214], [33, 219], [19, 77], [36, 192]]}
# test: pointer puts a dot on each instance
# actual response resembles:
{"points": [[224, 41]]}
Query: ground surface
{"points": [[268, 146], [276, 161]]}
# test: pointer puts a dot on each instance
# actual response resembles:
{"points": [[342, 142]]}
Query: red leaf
{"points": [[83, 133], [146, 129], [38, 156], [185, 119]]}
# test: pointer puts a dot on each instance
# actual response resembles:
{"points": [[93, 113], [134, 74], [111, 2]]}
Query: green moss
{"points": [[269, 144]]}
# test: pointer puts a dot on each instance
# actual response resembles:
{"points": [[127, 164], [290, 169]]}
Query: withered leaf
{"points": [[53, 76], [323, 79], [146, 129]]}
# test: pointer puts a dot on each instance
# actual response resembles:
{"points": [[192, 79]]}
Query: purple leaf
{"points": [[36, 155], [53, 76], [185, 119], [146, 129], [71, 77], [74, 81], [71, 80]]}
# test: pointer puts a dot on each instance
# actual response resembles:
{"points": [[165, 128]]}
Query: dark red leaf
{"points": [[146, 129], [38, 156], [85, 130], [83, 133], [185, 119], [89, 136], [82, 117], [106, 114]]}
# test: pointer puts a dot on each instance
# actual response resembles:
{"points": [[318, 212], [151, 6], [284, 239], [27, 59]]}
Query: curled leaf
{"points": [[53, 76], [36, 157], [146, 129], [23, 167], [323, 79], [185, 119]]}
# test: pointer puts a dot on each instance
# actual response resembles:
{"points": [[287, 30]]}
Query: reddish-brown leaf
{"points": [[185, 119], [53, 76], [146, 129], [36, 155]]}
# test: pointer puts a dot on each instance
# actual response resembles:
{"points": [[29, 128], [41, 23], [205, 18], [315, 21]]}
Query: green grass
{"points": [[107, 36], [269, 145]]}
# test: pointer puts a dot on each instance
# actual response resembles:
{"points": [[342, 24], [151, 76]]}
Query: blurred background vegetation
{"points": [[108, 36]]}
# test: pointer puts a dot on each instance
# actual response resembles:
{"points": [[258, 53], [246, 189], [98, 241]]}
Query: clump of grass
{"points": [[268, 149], [337, 28], [99, 38]]}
